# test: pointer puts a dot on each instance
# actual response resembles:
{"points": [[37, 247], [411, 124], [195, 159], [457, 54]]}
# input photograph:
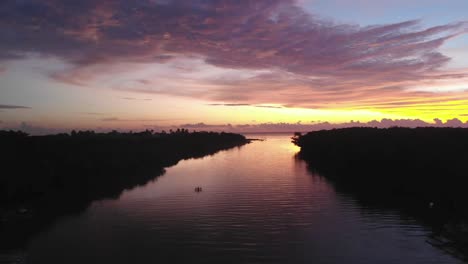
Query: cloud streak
{"points": [[136, 99], [13, 107], [233, 104], [132, 120], [237, 104]]}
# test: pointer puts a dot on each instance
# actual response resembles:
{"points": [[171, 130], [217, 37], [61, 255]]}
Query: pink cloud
{"points": [[312, 62]]}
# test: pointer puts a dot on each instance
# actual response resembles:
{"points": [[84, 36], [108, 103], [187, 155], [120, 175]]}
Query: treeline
{"points": [[66, 172], [421, 171]]}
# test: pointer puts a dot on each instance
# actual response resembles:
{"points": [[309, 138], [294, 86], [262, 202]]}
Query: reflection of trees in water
{"points": [[48, 176], [419, 172]]}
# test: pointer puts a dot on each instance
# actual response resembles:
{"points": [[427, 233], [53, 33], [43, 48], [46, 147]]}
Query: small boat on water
{"points": [[198, 189]]}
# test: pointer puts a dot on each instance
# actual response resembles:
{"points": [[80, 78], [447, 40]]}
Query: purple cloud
{"points": [[247, 34], [313, 62]]}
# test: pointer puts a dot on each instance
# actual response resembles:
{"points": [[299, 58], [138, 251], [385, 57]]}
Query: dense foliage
{"points": [[421, 171]]}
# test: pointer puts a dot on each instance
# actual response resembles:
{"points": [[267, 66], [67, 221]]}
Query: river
{"points": [[258, 204]]}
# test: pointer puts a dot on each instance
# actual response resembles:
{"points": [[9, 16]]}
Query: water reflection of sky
{"points": [[259, 204]]}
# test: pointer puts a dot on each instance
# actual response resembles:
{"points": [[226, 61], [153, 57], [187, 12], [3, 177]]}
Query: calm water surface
{"points": [[258, 205]]}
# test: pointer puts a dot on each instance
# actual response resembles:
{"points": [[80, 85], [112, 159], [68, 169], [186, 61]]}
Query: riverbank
{"points": [[420, 171], [44, 177]]}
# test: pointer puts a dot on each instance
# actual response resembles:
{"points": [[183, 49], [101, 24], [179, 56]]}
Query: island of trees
{"points": [[421, 171], [43, 177]]}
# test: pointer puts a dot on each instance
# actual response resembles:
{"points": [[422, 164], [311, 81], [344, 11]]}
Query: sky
{"points": [[232, 65]]}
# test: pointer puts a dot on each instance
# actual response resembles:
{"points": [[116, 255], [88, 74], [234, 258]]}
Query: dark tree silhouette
{"points": [[421, 171], [46, 176]]}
